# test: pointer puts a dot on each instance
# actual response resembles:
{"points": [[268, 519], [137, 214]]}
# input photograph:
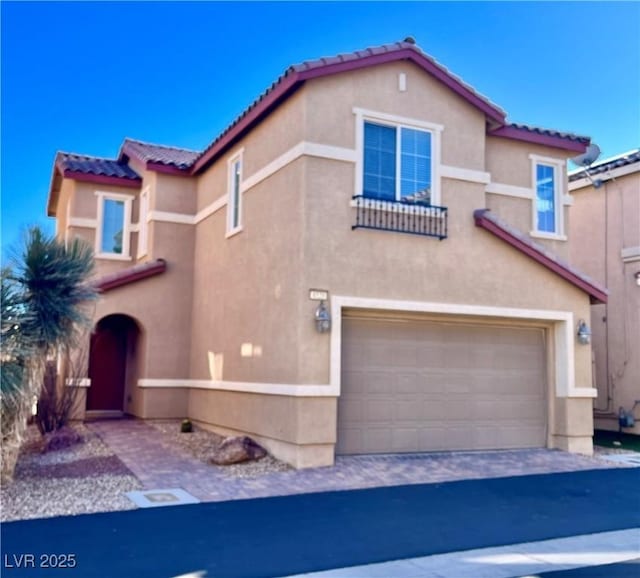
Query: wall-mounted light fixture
{"points": [[637, 276], [323, 318], [584, 333]]}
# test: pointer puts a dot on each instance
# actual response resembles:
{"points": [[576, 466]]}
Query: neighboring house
{"points": [[437, 229], [605, 242]]}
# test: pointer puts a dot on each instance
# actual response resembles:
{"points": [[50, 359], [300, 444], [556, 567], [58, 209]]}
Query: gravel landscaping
{"points": [[201, 443], [88, 477], [84, 478]]}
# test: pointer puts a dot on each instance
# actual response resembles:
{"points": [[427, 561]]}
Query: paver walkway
{"points": [[139, 445]]}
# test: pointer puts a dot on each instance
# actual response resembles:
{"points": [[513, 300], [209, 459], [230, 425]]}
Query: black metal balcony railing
{"points": [[400, 217]]}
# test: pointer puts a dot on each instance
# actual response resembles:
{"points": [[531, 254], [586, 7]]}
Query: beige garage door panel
{"points": [[421, 386]]}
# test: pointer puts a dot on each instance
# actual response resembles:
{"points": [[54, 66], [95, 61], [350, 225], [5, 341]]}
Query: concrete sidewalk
{"points": [[517, 560]]}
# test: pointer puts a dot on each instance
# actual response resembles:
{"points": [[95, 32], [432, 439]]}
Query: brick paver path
{"points": [[158, 466]]}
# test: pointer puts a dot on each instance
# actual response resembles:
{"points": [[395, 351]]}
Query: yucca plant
{"points": [[45, 297]]}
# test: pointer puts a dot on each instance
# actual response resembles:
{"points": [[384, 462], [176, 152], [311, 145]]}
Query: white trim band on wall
{"points": [[78, 382], [244, 387]]}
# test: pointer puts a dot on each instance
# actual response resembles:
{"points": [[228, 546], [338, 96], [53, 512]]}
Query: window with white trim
{"points": [[114, 223], [548, 214], [234, 202], [143, 230], [397, 162], [398, 157]]}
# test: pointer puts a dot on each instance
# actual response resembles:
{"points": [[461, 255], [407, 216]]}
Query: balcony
{"points": [[413, 217]]}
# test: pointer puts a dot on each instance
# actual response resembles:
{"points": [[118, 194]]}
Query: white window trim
{"points": [[233, 229], [126, 234], [143, 223], [393, 120], [559, 177]]}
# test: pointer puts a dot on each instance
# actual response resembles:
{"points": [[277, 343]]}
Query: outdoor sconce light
{"points": [[323, 318], [584, 333], [637, 276]]}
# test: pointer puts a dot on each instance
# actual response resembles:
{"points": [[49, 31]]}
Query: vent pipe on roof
{"points": [[410, 40]]}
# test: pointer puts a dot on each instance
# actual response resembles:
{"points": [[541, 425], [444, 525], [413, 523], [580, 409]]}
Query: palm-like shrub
{"points": [[45, 298]]}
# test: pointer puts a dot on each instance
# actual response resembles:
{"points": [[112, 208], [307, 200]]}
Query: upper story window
{"points": [[546, 198], [234, 203], [548, 215], [114, 222], [397, 162], [399, 158]]}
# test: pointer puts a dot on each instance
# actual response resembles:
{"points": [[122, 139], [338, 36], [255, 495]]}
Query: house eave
{"points": [[527, 136], [130, 275], [596, 294]]}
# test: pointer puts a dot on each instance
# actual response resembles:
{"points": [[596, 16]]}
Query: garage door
{"points": [[412, 385]]}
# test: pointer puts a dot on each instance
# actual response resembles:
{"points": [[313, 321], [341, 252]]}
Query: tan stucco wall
{"points": [[376, 89], [246, 288], [603, 222], [84, 205], [509, 163], [275, 135], [174, 194], [65, 195], [300, 430]]}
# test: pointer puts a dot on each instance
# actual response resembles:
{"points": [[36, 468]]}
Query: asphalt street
{"points": [[312, 532]]}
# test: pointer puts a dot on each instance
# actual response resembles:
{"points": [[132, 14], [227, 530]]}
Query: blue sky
{"points": [[80, 77]]}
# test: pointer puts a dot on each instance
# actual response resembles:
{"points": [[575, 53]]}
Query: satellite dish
{"points": [[588, 158]]}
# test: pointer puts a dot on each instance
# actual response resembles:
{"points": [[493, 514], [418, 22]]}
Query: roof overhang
{"points": [[130, 275], [521, 134], [485, 220], [60, 173], [127, 150]]}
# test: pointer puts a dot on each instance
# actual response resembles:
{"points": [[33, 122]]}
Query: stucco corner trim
{"points": [[562, 323], [82, 223], [78, 382], [510, 190], [630, 254], [583, 392], [461, 174], [169, 217]]}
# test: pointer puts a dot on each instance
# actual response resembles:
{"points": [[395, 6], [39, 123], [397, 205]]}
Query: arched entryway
{"points": [[111, 363]]}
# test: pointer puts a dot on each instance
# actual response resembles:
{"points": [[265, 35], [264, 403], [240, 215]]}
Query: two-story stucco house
{"points": [[434, 230], [605, 242]]}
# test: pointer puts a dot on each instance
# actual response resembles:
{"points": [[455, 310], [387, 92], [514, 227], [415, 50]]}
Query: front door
{"points": [[107, 366]]}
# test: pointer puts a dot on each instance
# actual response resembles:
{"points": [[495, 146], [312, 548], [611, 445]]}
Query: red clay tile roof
{"points": [[158, 154], [130, 275], [297, 74], [550, 132], [174, 160], [543, 136], [485, 219], [73, 163]]}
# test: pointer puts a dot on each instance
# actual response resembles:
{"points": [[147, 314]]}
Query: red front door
{"points": [[107, 366]]}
